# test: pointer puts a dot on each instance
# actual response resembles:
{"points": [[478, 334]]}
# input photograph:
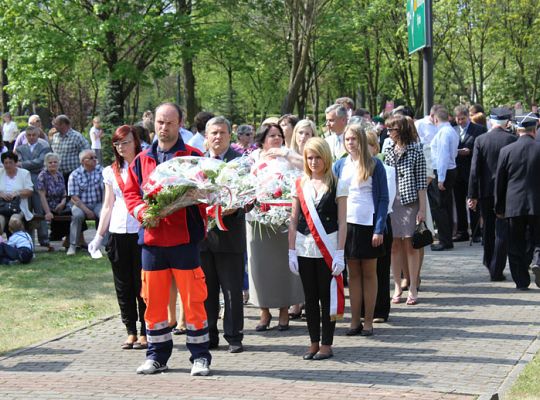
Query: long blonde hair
{"points": [[304, 123], [366, 164], [320, 147]]}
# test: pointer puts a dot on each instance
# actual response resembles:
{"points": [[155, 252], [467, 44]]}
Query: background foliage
{"points": [[249, 59]]}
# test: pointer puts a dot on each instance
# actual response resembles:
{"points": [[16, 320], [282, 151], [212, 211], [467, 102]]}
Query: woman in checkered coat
{"points": [[406, 155]]}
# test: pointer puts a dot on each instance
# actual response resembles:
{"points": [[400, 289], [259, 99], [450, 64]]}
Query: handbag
{"points": [[422, 236], [10, 207]]}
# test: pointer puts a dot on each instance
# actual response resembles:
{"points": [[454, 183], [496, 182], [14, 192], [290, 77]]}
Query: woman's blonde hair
{"points": [[304, 123], [366, 163], [373, 140], [320, 147]]}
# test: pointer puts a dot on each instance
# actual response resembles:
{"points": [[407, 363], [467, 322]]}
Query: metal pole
{"points": [[428, 59]]}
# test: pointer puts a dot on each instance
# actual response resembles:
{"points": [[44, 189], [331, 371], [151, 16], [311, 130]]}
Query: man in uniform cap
{"points": [[517, 198], [481, 190]]}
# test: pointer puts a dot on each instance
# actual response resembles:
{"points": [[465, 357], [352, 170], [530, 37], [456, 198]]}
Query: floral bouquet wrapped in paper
{"points": [[274, 180], [185, 181], [234, 178], [181, 182]]}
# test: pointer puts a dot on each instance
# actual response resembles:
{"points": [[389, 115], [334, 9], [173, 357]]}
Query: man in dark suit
{"points": [[31, 157], [482, 190], [468, 132], [222, 253], [517, 198]]}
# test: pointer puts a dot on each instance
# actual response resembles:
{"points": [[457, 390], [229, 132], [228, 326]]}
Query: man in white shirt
{"points": [[200, 121], [426, 126], [9, 131], [336, 122], [444, 149]]}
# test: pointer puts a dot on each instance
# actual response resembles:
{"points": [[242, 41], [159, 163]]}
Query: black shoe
{"points": [[536, 271], [321, 356], [498, 278], [461, 237], [354, 331], [308, 356], [441, 247], [523, 288], [366, 332], [284, 327], [236, 348], [477, 239], [213, 346], [264, 327]]}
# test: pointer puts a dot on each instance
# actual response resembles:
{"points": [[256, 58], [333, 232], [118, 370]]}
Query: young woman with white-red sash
{"points": [[317, 234]]}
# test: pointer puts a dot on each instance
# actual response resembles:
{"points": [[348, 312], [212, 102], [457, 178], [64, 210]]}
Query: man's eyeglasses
{"points": [[90, 158], [123, 143]]}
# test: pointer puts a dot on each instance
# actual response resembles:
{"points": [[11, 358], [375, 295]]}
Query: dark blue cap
{"points": [[500, 113], [526, 121]]}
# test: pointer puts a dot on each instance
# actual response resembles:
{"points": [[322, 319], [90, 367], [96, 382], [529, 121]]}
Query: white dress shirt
{"points": [[426, 129], [444, 149]]}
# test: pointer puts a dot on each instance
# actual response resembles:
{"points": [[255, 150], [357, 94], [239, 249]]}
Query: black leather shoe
{"points": [[366, 332], [213, 346], [354, 331], [264, 327], [308, 356], [236, 348], [536, 271], [440, 247], [321, 356], [284, 327], [523, 288], [461, 237], [498, 278]]}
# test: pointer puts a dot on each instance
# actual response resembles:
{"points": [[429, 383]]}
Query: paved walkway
{"points": [[466, 338]]}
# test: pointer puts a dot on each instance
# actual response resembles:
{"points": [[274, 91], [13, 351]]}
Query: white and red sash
{"points": [[337, 291]]}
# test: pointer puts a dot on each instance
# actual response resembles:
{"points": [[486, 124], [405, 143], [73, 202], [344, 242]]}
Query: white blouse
{"points": [[305, 244], [360, 207], [121, 220]]}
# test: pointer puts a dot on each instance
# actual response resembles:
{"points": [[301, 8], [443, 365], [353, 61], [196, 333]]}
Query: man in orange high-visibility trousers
{"points": [[170, 249]]}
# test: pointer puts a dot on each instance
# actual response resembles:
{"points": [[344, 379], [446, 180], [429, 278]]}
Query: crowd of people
{"points": [[365, 187]]}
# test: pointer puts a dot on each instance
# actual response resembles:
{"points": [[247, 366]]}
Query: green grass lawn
{"points": [[527, 386], [51, 295]]}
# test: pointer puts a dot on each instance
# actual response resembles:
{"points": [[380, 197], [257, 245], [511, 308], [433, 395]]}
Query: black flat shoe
{"points": [[321, 356], [354, 331], [236, 348], [295, 315], [366, 332], [308, 356], [264, 327], [441, 247], [284, 327]]}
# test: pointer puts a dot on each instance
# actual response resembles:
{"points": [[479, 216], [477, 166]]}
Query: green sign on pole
{"points": [[416, 25]]}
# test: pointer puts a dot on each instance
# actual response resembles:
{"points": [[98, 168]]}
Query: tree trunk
{"points": [[5, 96]]}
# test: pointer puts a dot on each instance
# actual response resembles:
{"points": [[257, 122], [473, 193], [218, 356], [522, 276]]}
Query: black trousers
{"points": [[225, 271], [125, 256], [524, 246], [460, 197], [382, 304], [316, 278], [441, 205], [495, 238]]}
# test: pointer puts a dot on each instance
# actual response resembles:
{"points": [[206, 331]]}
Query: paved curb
{"points": [[61, 336], [526, 358]]}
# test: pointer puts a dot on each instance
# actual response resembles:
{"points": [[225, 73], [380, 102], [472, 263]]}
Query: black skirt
{"points": [[358, 245]]}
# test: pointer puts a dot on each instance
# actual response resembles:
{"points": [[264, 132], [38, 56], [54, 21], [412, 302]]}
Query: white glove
{"points": [[338, 262], [293, 262], [95, 244]]}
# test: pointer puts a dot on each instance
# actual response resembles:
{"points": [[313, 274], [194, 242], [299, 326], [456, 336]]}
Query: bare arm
{"points": [[342, 222]]}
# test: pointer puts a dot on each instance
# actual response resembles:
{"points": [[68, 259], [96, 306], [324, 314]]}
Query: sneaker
{"points": [[72, 250], [151, 367], [200, 367]]}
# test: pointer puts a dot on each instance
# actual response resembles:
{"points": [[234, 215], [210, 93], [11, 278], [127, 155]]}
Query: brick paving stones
{"points": [[464, 339]]}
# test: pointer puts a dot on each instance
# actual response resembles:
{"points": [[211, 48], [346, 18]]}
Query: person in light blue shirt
{"points": [[19, 247], [444, 148]]}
